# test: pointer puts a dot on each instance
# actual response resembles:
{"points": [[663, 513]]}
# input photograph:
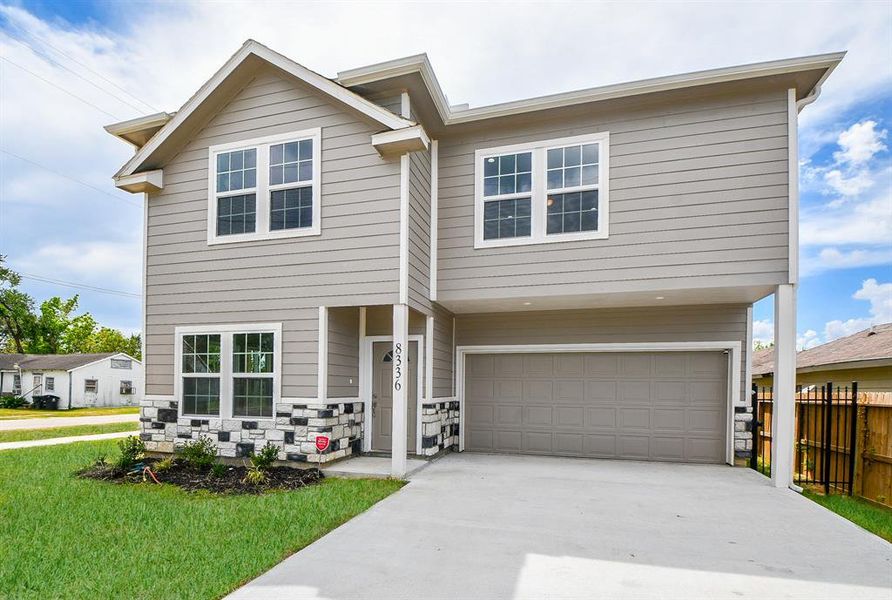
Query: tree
{"points": [[55, 329], [16, 311]]}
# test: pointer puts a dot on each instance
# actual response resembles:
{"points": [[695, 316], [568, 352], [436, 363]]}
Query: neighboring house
{"points": [[864, 357], [79, 380], [355, 260]]}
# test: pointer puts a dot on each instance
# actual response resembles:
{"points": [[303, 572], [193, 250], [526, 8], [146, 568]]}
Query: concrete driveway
{"points": [[482, 526]]}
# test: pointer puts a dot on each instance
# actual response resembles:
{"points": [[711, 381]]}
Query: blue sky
{"points": [[68, 68]]}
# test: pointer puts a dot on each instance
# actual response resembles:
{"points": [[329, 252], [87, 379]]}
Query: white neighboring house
{"points": [[79, 380]]}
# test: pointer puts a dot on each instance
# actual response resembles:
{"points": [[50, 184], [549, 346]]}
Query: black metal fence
{"points": [[826, 431]]}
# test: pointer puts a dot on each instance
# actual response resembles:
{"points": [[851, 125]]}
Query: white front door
{"points": [[382, 396], [37, 384]]}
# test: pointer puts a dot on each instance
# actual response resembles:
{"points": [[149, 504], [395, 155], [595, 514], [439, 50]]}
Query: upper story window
{"points": [[549, 191], [229, 371], [265, 188], [121, 363]]}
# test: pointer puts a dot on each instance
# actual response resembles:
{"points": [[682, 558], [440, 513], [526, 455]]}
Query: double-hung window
{"points": [[549, 191], [228, 371], [265, 188]]}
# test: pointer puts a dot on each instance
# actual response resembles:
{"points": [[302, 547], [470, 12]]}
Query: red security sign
{"points": [[322, 443]]}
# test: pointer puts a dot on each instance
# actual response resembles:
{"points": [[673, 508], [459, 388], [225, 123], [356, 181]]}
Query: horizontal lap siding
{"points": [[354, 261], [626, 325], [443, 352], [419, 230], [698, 198], [343, 353]]}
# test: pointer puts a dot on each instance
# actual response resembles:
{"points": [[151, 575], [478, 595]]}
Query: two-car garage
{"points": [[640, 405]]}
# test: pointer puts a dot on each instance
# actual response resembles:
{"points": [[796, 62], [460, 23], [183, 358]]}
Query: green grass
{"points": [[874, 518], [64, 537], [30, 413], [24, 435]]}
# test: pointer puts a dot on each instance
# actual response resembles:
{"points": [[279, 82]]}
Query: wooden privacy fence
{"points": [[843, 439]]}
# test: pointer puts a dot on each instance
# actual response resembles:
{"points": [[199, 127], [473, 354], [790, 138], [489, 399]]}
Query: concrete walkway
{"points": [[480, 526], [65, 440], [49, 422]]}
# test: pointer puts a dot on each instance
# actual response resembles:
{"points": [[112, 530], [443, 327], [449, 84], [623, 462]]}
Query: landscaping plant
{"points": [[200, 453], [132, 450], [264, 459], [13, 402]]}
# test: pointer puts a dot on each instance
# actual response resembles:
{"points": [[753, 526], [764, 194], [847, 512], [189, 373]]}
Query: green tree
{"points": [[17, 318], [106, 339]]}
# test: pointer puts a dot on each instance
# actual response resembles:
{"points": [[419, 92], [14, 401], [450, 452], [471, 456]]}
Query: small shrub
{"points": [[266, 457], [132, 450], [101, 460], [254, 476], [12, 402], [218, 470], [200, 453], [164, 464]]}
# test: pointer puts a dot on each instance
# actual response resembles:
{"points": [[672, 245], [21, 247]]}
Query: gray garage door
{"points": [[668, 406]]}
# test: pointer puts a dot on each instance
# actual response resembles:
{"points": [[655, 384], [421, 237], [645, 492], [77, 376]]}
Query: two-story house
{"points": [[352, 265]]}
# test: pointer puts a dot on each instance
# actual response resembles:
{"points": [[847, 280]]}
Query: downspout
{"points": [[810, 98], [70, 378]]}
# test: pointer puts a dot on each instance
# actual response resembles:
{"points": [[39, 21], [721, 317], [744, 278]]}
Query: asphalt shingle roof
{"points": [[874, 343], [49, 362]]}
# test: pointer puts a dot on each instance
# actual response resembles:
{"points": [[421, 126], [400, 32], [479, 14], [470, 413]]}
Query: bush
{"points": [[200, 453], [132, 450], [254, 476], [12, 402], [164, 464], [218, 470], [266, 457]]}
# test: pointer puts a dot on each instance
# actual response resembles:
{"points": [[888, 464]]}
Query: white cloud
{"points": [[109, 265], [859, 143], [807, 340], [763, 331], [851, 184]]}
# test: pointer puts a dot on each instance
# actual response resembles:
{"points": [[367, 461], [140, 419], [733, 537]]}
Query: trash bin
{"points": [[46, 402]]}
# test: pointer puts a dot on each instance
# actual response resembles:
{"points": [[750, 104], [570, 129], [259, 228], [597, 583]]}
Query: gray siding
{"points": [[717, 322], [343, 353], [419, 231], [698, 198], [444, 352], [354, 261]]}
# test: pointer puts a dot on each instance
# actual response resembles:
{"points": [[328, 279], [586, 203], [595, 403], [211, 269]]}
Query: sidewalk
{"points": [[48, 422], [65, 440]]}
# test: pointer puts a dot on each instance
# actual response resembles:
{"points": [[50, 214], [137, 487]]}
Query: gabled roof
{"points": [[806, 74], [250, 51], [872, 344], [52, 362]]}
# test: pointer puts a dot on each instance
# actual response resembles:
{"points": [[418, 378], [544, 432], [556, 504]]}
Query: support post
{"points": [[399, 428], [782, 426]]}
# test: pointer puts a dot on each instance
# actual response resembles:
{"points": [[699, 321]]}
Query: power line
{"points": [[97, 73], [118, 199], [76, 74], [81, 286], [58, 87]]}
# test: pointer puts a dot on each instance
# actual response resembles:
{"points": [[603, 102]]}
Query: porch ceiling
{"points": [[673, 297]]}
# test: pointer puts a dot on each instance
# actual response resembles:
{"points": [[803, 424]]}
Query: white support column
{"points": [[782, 425], [399, 428], [322, 360]]}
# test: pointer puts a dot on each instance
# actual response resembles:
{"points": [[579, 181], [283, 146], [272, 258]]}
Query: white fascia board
{"points": [[141, 126], [401, 141], [93, 362], [327, 86], [148, 181], [421, 65]]}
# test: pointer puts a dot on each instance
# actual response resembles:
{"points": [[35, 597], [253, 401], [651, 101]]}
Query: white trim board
{"points": [[733, 347], [367, 386], [435, 203], [250, 47]]}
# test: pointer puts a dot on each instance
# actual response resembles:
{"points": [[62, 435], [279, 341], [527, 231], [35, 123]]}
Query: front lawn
{"points": [[872, 517], [31, 413], [75, 538], [24, 435]]}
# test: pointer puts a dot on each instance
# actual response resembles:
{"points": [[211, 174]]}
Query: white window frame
{"points": [[87, 385], [49, 384], [539, 191], [262, 188], [226, 375]]}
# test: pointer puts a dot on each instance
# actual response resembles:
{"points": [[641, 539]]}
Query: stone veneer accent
{"points": [[743, 434], [294, 430], [439, 427]]}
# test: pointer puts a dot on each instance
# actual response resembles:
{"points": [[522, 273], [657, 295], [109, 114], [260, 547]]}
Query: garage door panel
{"points": [[598, 417], [539, 416], [643, 406]]}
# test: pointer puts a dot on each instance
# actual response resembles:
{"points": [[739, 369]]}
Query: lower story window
{"points": [[201, 396], [252, 397], [126, 387], [236, 214], [91, 385], [506, 218], [50, 384]]}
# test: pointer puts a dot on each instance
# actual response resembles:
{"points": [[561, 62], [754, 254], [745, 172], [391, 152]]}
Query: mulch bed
{"points": [[193, 479]]}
